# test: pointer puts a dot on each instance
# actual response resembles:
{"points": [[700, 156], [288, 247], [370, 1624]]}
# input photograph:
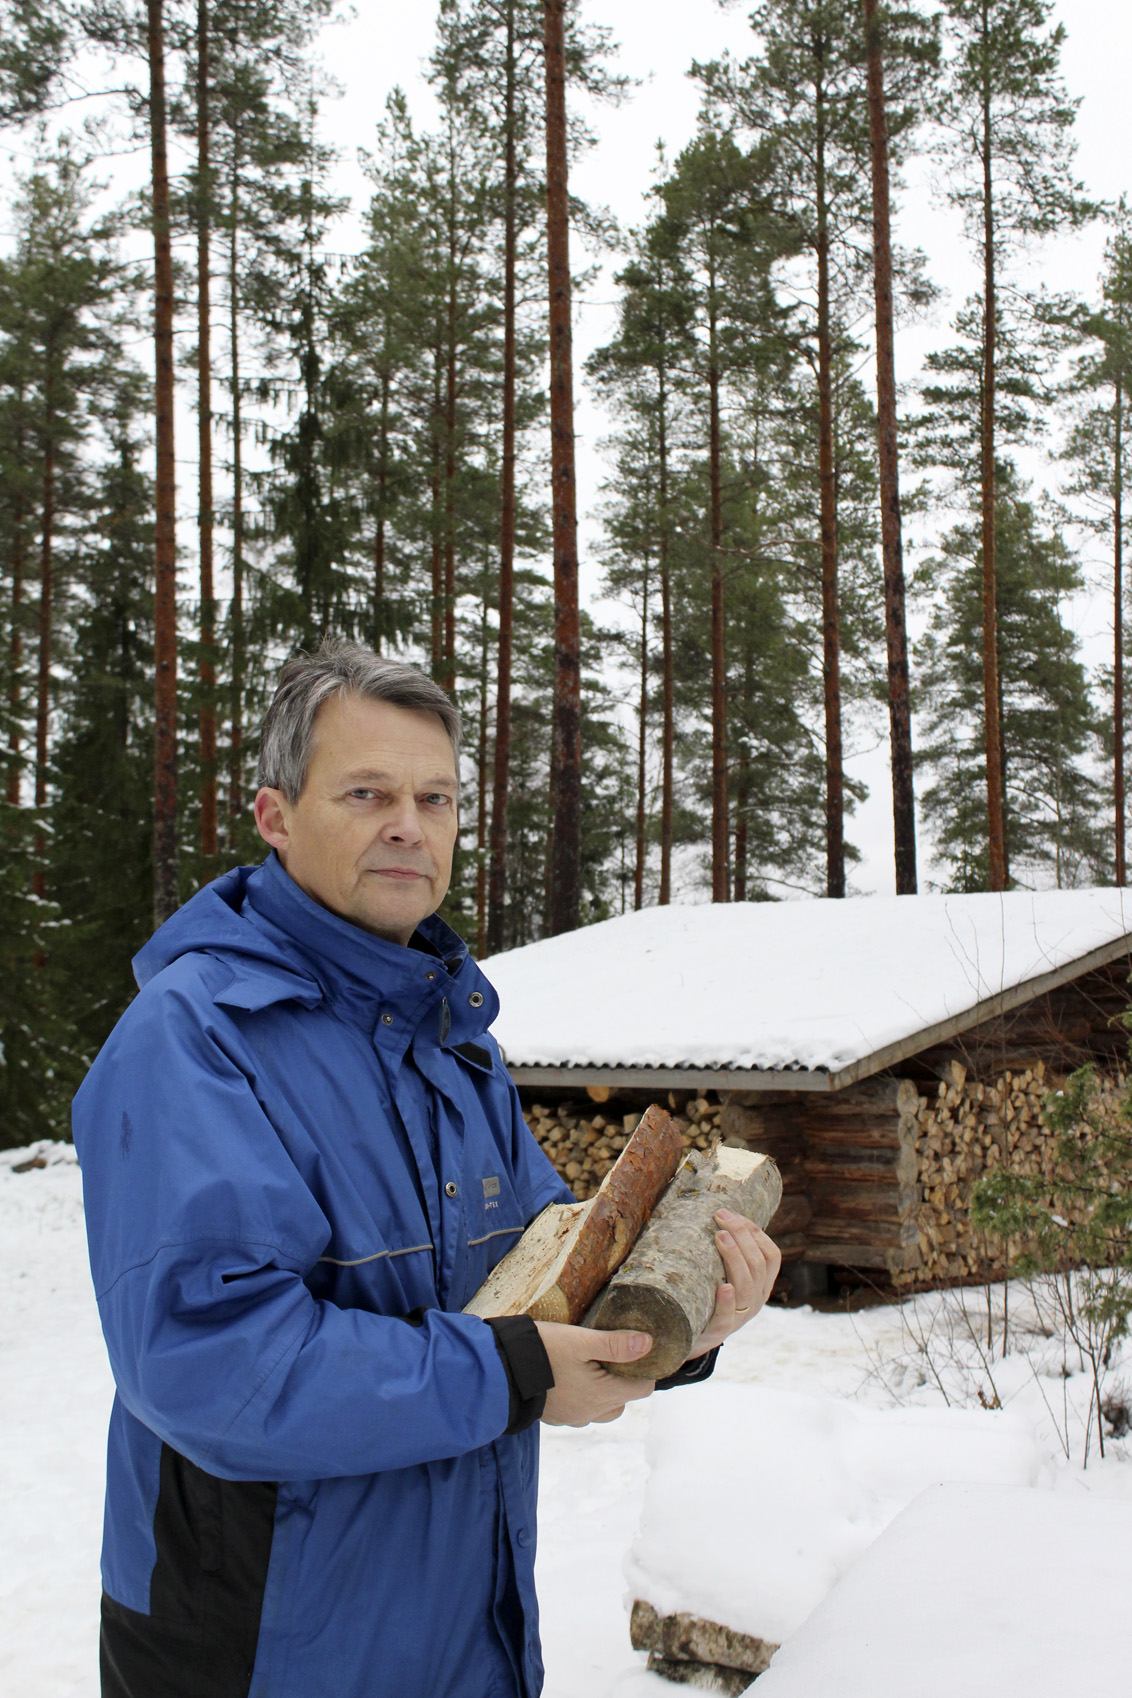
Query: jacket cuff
{"points": [[529, 1374], [701, 1368]]}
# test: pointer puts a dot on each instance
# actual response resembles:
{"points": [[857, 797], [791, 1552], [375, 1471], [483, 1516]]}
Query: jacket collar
{"points": [[366, 977]]}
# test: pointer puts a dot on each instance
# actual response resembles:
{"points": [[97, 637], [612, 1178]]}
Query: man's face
{"points": [[372, 834]]}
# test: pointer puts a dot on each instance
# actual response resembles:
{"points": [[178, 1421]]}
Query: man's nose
{"points": [[403, 823]]}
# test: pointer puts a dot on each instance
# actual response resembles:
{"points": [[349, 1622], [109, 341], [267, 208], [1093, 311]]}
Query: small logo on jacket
{"points": [[491, 1187]]}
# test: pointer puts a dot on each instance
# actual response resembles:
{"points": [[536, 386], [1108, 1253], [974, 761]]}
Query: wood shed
{"points": [[884, 1050]]}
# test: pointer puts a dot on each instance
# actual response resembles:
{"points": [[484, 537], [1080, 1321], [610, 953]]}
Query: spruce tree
{"points": [[60, 292], [639, 372], [1098, 453], [1048, 726], [100, 872], [716, 204]]}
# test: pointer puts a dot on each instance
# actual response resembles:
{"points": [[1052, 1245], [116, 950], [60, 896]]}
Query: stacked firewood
{"points": [[583, 1142], [967, 1128]]}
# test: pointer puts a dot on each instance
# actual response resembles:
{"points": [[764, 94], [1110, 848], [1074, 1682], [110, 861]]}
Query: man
{"points": [[321, 1475]]}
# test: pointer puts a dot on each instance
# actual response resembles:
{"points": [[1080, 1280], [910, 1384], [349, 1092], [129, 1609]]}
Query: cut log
{"points": [[567, 1254], [667, 1285], [685, 1638]]}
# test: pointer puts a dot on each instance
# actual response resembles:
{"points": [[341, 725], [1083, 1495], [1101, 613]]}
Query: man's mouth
{"points": [[400, 872]]}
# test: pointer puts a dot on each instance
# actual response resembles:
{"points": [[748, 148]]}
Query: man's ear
{"points": [[271, 817]]}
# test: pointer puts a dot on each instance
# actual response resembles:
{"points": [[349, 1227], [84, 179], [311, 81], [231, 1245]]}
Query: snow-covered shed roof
{"points": [[828, 991]]}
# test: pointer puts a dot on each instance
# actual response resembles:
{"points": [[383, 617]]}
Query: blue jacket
{"points": [[301, 1155]]}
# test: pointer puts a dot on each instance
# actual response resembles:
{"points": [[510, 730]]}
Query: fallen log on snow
{"points": [[691, 1651]]}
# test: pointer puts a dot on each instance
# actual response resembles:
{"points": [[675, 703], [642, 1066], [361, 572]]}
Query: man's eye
{"points": [[363, 795], [438, 799]]}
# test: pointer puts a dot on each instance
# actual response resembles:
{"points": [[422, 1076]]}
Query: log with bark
{"points": [[667, 1285], [696, 1652], [572, 1251], [568, 1253]]}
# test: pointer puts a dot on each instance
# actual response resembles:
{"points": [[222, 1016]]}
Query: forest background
{"points": [[358, 316]]}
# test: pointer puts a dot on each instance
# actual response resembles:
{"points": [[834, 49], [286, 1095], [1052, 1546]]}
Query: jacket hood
{"points": [[211, 921], [280, 945]]}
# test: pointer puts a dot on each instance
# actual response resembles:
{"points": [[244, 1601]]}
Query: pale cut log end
{"points": [[551, 1306], [642, 1308]]}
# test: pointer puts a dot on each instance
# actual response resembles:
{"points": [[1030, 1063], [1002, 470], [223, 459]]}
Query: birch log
{"points": [[667, 1284], [567, 1254]]}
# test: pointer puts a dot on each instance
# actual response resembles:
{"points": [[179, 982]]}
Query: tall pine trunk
{"points": [[642, 750], [566, 758], [448, 678], [382, 496], [481, 790], [831, 613], [896, 636], [165, 584], [501, 775], [238, 657], [996, 834], [1118, 632], [436, 621], [668, 716], [209, 843], [45, 633], [720, 880], [742, 788], [15, 640]]}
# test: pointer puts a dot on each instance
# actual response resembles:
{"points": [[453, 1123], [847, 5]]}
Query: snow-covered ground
{"points": [[752, 1499]]}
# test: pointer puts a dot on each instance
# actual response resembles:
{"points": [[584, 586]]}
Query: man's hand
{"points": [[583, 1391], [751, 1262]]}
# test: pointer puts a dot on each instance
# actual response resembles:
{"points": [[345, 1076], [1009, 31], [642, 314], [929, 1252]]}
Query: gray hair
{"points": [[338, 668]]}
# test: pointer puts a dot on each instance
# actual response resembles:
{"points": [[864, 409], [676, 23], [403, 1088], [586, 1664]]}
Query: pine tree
{"points": [[566, 768], [260, 73], [888, 460], [494, 51], [165, 846], [36, 44], [209, 818], [804, 91], [1010, 124]]}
